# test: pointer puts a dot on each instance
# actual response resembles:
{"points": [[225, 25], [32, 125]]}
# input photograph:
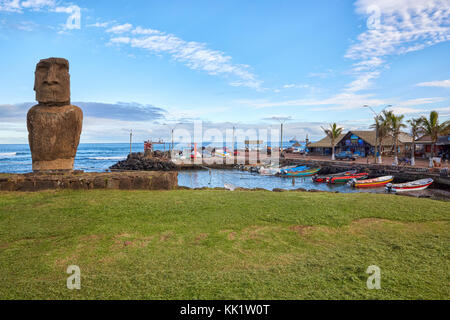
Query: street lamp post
{"points": [[172, 128]]}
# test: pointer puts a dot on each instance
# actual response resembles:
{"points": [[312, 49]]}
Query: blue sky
{"points": [[140, 64]]}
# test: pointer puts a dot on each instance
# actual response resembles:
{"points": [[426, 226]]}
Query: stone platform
{"points": [[135, 180]]}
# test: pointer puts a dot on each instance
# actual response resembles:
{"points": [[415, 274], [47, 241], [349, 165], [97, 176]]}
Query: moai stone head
{"points": [[54, 125], [52, 82]]}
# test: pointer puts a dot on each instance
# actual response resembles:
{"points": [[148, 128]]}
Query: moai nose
{"points": [[51, 75]]}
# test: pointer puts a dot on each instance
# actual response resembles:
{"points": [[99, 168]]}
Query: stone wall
{"points": [[138, 180]]}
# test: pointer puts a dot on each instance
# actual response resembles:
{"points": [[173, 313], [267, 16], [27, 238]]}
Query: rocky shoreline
{"points": [[155, 161]]}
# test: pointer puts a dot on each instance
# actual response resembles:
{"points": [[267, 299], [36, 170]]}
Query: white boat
{"points": [[267, 171], [409, 186]]}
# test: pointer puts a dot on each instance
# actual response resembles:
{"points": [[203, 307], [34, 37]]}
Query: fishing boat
{"points": [[371, 183], [295, 169], [325, 177], [269, 171], [409, 186], [347, 178], [305, 173]]}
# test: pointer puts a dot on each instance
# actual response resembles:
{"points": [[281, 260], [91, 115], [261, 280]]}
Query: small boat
{"points": [[325, 178], [295, 169], [305, 173], [409, 186], [345, 179], [269, 171], [372, 183]]}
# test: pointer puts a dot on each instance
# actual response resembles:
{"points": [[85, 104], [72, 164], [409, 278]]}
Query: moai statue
{"points": [[54, 125]]}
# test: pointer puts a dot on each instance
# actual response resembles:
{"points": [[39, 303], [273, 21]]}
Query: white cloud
{"points": [[404, 110], [18, 6], [10, 5], [120, 40], [441, 84], [326, 74], [140, 30], [402, 26], [99, 25], [280, 118], [194, 55], [342, 101], [37, 4], [120, 28], [420, 101], [362, 82], [293, 85]]}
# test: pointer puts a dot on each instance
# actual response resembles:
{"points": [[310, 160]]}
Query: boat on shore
{"points": [[305, 173], [409, 186], [347, 178], [325, 178], [372, 183]]}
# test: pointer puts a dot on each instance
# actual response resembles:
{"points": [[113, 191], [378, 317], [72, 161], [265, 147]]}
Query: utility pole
{"points": [[131, 139], [172, 142], [233, 141], [281, 142]]}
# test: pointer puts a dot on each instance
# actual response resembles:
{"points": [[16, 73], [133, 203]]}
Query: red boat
{"points": [[409, 186], [325, 178], [372, 183], [345, 179]]}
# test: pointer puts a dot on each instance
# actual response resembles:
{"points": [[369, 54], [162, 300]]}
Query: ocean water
{"points": [[91, 157], [98, 157], [218, 178]]}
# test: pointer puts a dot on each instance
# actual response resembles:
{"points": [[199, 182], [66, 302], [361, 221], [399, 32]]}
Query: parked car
{"points": [[289, 150], [346, 155]]}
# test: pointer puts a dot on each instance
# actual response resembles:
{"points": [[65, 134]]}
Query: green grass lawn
{"points": [[213, 244]]}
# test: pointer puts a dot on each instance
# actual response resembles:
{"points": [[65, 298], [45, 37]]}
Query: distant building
{"points": [[442, 147], [323, 146], [361, 142]]}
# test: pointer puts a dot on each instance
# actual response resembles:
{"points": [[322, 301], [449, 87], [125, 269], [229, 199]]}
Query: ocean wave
{"points": [[107, 158], [7, 154]]}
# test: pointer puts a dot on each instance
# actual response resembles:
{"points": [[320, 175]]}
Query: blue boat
{"points": [[304, 173], [296, 169]]}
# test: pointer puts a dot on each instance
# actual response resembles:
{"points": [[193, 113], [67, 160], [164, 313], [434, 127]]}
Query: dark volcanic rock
{"points": [[158, 161]]}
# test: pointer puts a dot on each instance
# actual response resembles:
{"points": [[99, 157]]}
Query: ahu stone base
{"points": [[138, 180]]}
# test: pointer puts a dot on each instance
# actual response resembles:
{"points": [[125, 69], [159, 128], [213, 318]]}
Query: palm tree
{"points": [[381, 127], [431, 127], [333, 133], [376, 126], [395, 125], [415, 131]]}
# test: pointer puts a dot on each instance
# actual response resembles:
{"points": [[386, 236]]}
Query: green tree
{"points": [[333, 133], [431, 126]]}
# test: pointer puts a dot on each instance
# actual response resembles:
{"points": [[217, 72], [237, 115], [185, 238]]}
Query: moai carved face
{"points": [[52, 81]]}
